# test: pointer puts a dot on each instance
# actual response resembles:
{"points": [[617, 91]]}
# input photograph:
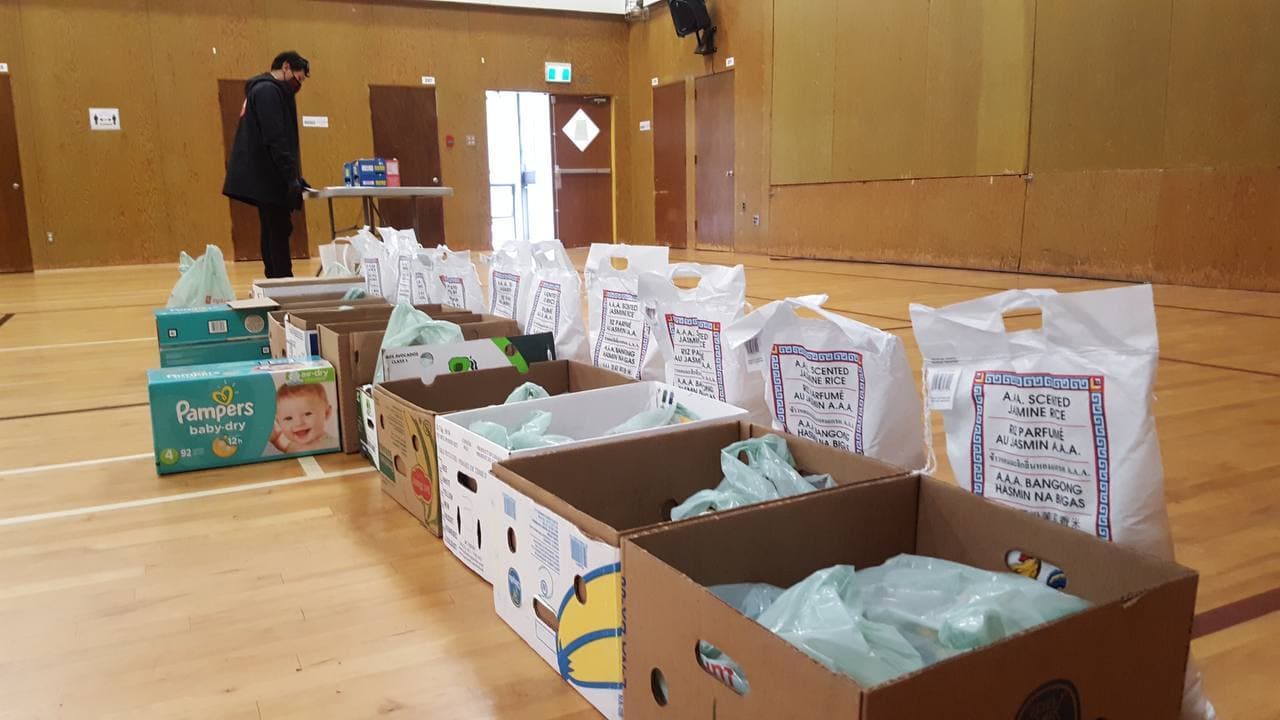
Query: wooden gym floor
{"points": [[298, 590]]}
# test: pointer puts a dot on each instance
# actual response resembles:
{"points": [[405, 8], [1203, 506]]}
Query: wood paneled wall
{"points": [[1136, 140], [152, 190]]}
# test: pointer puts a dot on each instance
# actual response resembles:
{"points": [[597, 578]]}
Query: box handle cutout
{"points": [[415, 444], [717, 663], [399, 466], [479, 537], [545, 615], [382, 421], [1030, 566], [658, 685], [511, 540], [467, 482], [619, 262], [580, 589], [459, 509], [667, 506]]}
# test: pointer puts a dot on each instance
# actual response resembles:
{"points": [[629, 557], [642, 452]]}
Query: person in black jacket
{"points": [[264, 169]]}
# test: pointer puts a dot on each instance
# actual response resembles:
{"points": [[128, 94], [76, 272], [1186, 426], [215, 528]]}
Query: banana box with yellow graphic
{"points": [[242, 412], [564, 516]]}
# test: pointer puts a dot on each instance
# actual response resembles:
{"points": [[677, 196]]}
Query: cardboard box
{"points": [[566, 512], [469, 493], [301, 338], [425, 362], [243, 412], [406, 421], [369, 172], [352, 349], [276, 318], [279, 288], [1122, 658], [213, 333], [368, 424]]}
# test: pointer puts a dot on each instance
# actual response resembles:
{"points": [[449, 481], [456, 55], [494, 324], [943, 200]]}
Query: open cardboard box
{"points": [[1122, 658], [565, 515], [276, 318], [278, 288], [352, 348], [406, 411], [472, 519], [303, 340]]}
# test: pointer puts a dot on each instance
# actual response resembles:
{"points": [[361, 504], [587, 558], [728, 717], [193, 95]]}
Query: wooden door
{"points": [[582, 157], [15, 244], [670, 182], [405, 128], [713, 161], [246, 240]]}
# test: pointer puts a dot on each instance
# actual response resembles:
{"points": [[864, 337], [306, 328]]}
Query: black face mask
{"points": [[294, 84]]}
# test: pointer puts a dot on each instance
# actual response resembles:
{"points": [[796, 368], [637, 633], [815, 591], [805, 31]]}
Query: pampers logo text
{"points": [[224, 407]]}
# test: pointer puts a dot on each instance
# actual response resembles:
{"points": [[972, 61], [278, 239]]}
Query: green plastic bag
{"points": [[203, 281], [881, 623], [668, 414], [410, 327], [354, 293], [533, 434], [750, 599], [527, 391], [769, 473]]}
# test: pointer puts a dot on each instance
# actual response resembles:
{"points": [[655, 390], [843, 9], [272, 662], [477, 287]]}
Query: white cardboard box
{"points": [[470, 514], [279, 288]]}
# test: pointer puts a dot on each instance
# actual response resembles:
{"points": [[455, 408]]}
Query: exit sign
{"points": [[558, 72]]}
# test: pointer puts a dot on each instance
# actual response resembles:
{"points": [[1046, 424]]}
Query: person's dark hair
{"points": [[296, 61]]}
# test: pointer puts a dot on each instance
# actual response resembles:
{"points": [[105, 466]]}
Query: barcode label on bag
{"points": [[942, 388], [754, 359]]}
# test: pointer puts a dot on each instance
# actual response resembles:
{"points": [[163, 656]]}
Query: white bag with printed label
{"points": [[509, 271], [403, 247], [620, 337], [690, 328], [838, 382], [422, 277], [551, 301], [377, 265], [1056, 421], [455, 281]]}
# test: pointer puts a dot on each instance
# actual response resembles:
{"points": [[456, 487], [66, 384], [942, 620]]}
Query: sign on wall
{"points": [[104, 118], [315, 121], [558, 72]]}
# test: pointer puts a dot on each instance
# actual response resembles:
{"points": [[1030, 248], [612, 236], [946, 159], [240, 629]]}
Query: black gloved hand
{"points": [[305, 185]]}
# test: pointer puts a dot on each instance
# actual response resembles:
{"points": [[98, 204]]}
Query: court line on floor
{"points": [[180, 497], [1235, 613], [73, 411], [5, 318], [75, 344], [68, 465], [82, 309], [1212, 366]]}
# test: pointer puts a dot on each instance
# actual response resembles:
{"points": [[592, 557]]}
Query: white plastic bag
{"points": [[690, 325], [335, 258], [838, 382], [551, 301], [377, 265], [204, 281], [455, 281], [509, 271], [1056, 421], [403, 248], [619, 331]]}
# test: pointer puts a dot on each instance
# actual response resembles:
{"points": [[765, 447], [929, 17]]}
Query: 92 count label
{"points": [[1039, 442]]}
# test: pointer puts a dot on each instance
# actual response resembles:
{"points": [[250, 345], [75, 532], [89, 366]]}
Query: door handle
{"points": [[16, 186], [728, 173]]}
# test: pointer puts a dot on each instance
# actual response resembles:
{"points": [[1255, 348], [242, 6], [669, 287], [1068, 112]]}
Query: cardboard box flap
{"points": [[452, 392], [690, 613], [253, 304], [950, 528]]}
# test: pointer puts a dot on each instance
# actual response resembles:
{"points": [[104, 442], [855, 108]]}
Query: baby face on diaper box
{"points": [[243, 412]]}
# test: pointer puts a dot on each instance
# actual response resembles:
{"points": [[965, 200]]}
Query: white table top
{"points": [[340, 191]]}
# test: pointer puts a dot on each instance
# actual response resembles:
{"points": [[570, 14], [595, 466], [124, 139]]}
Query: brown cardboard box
{"points": [[1122, 658], [278, 288], [307, 320], [352, 349], [406, 417], [567, 511], [275, 319]]}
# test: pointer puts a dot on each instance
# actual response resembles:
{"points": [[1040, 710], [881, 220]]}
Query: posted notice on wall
{"points": [[104, 118]]}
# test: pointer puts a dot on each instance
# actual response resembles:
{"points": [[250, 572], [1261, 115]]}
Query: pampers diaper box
{"points": [[242, 412]]}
